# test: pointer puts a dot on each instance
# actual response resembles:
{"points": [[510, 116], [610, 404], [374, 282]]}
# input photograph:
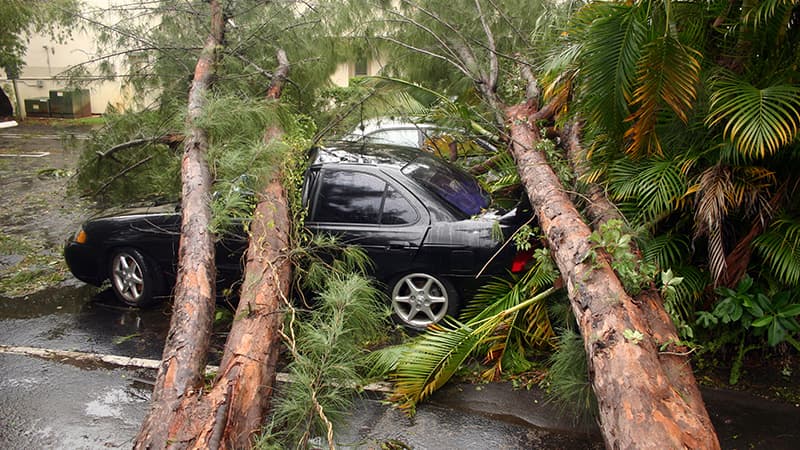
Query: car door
{"points": [[368, 209]]}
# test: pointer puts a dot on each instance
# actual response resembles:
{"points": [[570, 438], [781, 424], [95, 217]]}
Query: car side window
{"points": [[350, 197], [396, 209], [357, 197]]}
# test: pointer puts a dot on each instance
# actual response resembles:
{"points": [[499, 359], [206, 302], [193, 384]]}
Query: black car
{"points": [[425, 224]]}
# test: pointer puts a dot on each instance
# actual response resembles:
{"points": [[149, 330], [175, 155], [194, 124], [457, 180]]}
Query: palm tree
{"points": [[694, 112]]}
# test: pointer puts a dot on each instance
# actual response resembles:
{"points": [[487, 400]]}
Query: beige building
{"points": [[46, 64], [346, 71]]}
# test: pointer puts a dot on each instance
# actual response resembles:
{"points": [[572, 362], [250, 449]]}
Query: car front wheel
{"points": [[135, 278], [420, 299]]}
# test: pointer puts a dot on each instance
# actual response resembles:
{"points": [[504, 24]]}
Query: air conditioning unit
{"points": [[37, 107], [70, 103]]}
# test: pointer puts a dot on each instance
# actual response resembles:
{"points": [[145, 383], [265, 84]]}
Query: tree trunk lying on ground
{"points": [[230, 412], [673, 357], [184, 358], [641, 405]]}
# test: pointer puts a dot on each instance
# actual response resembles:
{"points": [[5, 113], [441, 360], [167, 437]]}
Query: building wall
{"points": [[46, 61], [345, 71]]}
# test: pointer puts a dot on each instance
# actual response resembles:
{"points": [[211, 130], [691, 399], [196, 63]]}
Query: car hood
{"points": [[133, 210]]}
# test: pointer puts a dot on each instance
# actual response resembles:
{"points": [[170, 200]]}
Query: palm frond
{"points": [[780, 248], [614, 34], [504, 175], [712, 207], [757, 121], [436, 357], [383, 361], [503, 293], [666, 250], [768, 9], [656, 186], [682, 304], [667, 73]]}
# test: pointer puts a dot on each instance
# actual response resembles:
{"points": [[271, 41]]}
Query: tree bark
{"points": [[674, 360], [640, 407], [229, 413], [181, 372], [236, 406]]}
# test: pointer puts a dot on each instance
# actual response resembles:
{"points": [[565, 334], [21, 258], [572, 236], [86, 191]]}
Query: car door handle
{"points": [[401, 244]]}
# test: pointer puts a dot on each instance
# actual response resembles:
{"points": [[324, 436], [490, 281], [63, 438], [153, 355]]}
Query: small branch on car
{"points": [[120, 174]]}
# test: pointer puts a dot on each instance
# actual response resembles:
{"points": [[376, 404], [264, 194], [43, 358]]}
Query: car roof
{"points": [[363, 153]]}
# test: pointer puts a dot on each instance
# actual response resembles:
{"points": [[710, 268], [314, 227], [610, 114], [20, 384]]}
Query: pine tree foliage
{"points": [[326, 345], [567, 381]]}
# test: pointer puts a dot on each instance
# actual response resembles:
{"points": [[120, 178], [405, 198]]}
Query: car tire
{"points": [[135, 277], [421, 299]]}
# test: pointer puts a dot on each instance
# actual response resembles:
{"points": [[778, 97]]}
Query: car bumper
{"points": [[85, 262]]}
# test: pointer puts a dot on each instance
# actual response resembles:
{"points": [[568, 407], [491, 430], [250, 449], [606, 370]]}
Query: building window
{"points": [[361, 67]]}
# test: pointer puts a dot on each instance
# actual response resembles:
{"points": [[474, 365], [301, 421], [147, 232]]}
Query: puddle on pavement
{"points": [[88, 319], [83, 319], [46, 404]]}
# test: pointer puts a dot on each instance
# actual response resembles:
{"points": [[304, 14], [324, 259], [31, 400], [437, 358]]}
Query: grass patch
{"points": [[91, 120], [39, 267]]}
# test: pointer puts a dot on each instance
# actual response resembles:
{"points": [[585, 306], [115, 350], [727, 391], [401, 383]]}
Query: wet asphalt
{"points": [[60, 404], [68, 405]]}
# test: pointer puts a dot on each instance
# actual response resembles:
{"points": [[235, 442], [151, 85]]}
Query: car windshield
{"points": [[455, 186]]}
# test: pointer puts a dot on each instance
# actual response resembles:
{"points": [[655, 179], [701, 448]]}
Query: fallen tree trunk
{"points": [[185, 351], [639, 405], [228, 414], [673, 356]]}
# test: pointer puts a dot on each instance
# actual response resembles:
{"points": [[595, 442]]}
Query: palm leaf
{"points": [[712, 207], [613, 35], [665, 251], [505, 173], [501, 293], [767, 9], [688, 292], [653, 187], [780, 248], [668, 73], [757, 121], [433, 360]]}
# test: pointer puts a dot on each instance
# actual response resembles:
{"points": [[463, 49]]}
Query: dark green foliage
{"points": [[633, 272], [780, 247], [146, 172], [327, 350], [746, 315], [567, 380]]}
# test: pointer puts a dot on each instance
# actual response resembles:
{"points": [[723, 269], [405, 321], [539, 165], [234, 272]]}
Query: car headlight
{"points": [[80, 236]]}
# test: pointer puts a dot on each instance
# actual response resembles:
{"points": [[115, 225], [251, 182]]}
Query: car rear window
{"points": [[453, 185]]}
